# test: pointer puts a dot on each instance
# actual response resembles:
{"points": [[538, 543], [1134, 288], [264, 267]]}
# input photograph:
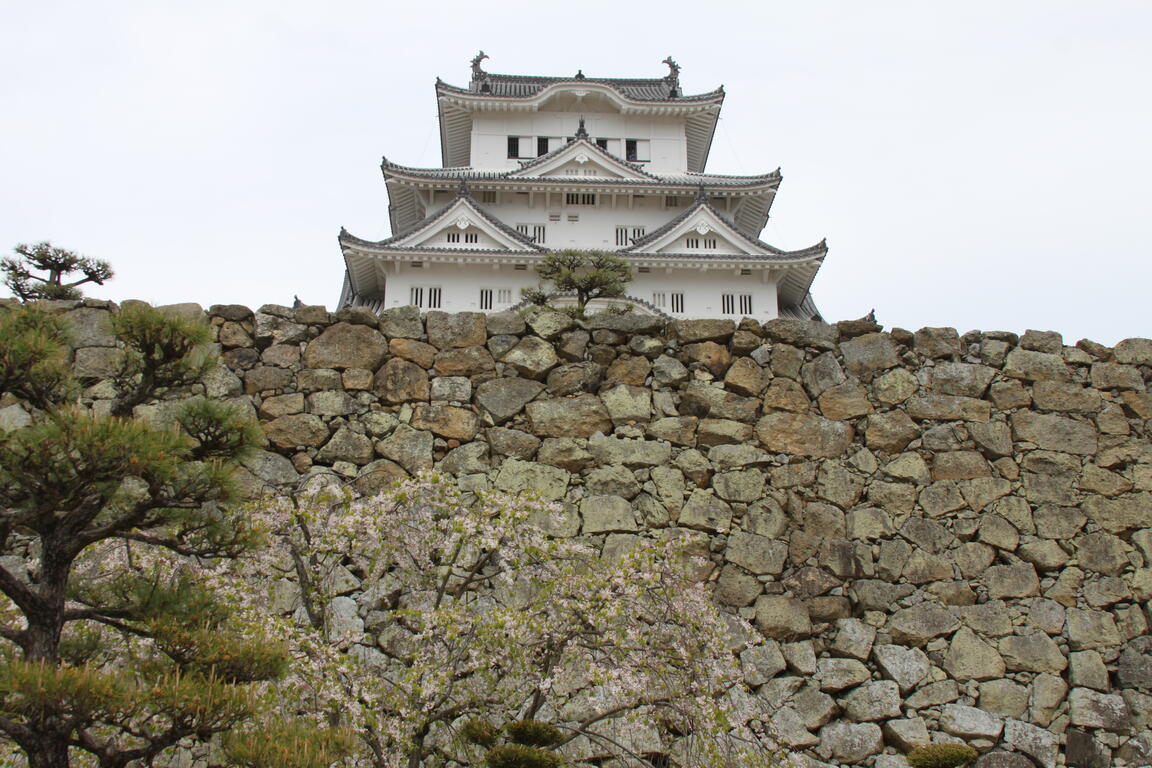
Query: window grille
{"points": [[471, 237], [671, 201], [573, 217], [453, 237], [520, 267], [637, 150], [622, 236], [416, 296], [488, 197], [728, 304], [692, 242], [710, 242], [433, 298], [504, 295], [554, 216], [580, 198], [659, 298], [541, 145], [485, 298], [416, 264], [677, 302], [745, 303], [643, 270], [538, 233]]}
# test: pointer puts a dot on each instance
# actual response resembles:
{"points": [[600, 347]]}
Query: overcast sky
{"points": [[982, 165]]}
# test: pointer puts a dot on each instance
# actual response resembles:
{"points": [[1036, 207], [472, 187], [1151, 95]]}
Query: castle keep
{"points": [[534, 164]]}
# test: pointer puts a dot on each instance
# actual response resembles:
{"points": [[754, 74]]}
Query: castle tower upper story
{"points": [[534, 164]]}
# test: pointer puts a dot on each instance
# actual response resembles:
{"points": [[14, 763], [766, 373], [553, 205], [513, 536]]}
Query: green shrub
{"points": [[942, 756], [521, 756], [481, 732], [533, 733]]}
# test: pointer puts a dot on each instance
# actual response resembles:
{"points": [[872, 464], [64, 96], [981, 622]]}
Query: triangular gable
{"points": [[700, 229], [454, 227], [583, 156]]}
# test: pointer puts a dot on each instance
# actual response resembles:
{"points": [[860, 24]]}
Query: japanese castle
{"points": [[539, 164]]}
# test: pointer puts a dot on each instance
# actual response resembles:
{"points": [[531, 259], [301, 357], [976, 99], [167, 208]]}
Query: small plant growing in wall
{"points": [[526, 743], [942, 756]]}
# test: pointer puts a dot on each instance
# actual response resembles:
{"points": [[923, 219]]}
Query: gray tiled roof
{"points": [[523, 86]]}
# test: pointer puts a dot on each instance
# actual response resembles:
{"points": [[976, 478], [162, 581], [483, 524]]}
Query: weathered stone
{"points": [[1119, 515], [516, 476], [1012, 581], [869, 353], [678, 430], [745, 377], [876, 700], [1091, 629], [804, 435], [905, 666], [787, 727], [408, 447], [347, 445], [948, 408], [992, 437], [845, 401], [1033, 652], [890, 432], [906, 734], [782, 618], [1116, 376], [296, 430], [761, 663], [1093, 709], [835, 674], [703, 511], [737, 587], [668, 370], [401, 381], [919, 624], [470, 458], [959, 465], [466, 361], [962, 379], [1054, 433], [970, 722], [580, 416], [629, 452], [344, 345], [504, 398], [1034, 366], [1134, 351], [785, 395], [758, 554], [263, 378], [933, 695], [851, 742], [970, 658], [532, 357], [741, 485], [908, 466], [800, 333], [458, 329], [627, 404], [328, 403], [937, 342], [446, 421], [894, 387], [1003, 697], [1102, 553], [629, 369], [822, 373], [607, 513], [691, 331]]}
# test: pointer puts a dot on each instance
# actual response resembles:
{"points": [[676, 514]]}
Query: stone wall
{"points": [[936, 535]]}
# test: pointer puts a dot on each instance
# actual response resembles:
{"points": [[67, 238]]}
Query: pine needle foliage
{"points": [[587, 274], [942, 756], [20, 274], [116, 640]]}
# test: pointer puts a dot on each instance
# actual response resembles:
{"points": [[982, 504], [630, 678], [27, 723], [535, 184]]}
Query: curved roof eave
{"points": [[549, 86]]}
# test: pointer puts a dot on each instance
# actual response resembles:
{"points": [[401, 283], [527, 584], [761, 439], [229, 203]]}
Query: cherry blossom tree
{"points": [[426, 611]]}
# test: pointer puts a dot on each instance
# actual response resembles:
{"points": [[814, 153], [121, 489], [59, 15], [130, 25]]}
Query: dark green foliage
{"points": [[287, 743], [123, 648], [34, 357], [588, 274], [942, 756], [20, 273], [533, 733], [479, 732], [521, 756]]}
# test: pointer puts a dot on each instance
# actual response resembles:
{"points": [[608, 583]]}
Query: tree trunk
{"points": [[50, 752]]}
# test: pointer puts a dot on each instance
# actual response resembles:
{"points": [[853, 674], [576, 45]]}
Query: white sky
{"points": [[979, 164]]}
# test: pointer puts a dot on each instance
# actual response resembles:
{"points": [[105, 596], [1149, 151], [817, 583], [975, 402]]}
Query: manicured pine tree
{"points": [[56, 264], [116, 641]]}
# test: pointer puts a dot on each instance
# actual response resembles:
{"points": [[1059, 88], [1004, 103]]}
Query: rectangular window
{"points": [[692, 242], [622, 236], [602, 143], [728, 304], [590, 171], [710, 242], [580, 198], [504, 296], [671, 201], [453, 237], [513, 147], [519, 147], [433, 298], [471, 237], [637, 150], [573, 217], [416, 296], [643, 270], [488, 197], [522, 229], [637, 233], [541, 145], [485, 298], [554, 216], [745, 303], [538, 233], [677, 302], [571, 171], [659, 298], [520, 267]]}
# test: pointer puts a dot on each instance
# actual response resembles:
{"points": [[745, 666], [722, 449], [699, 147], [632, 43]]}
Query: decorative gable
{"points": [[700, 230], [463, 225], [581, 158]]}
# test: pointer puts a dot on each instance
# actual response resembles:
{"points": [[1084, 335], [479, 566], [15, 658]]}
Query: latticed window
{"points": [[580, 198], [677, 301]]}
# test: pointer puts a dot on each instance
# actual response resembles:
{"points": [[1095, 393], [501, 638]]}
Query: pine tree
{"points": [[588, 274], [116, 638], [20, 274]]}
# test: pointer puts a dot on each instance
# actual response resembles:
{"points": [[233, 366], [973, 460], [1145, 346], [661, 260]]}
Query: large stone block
{"points": [[581, 416], [804, 435], [346, 346]]}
